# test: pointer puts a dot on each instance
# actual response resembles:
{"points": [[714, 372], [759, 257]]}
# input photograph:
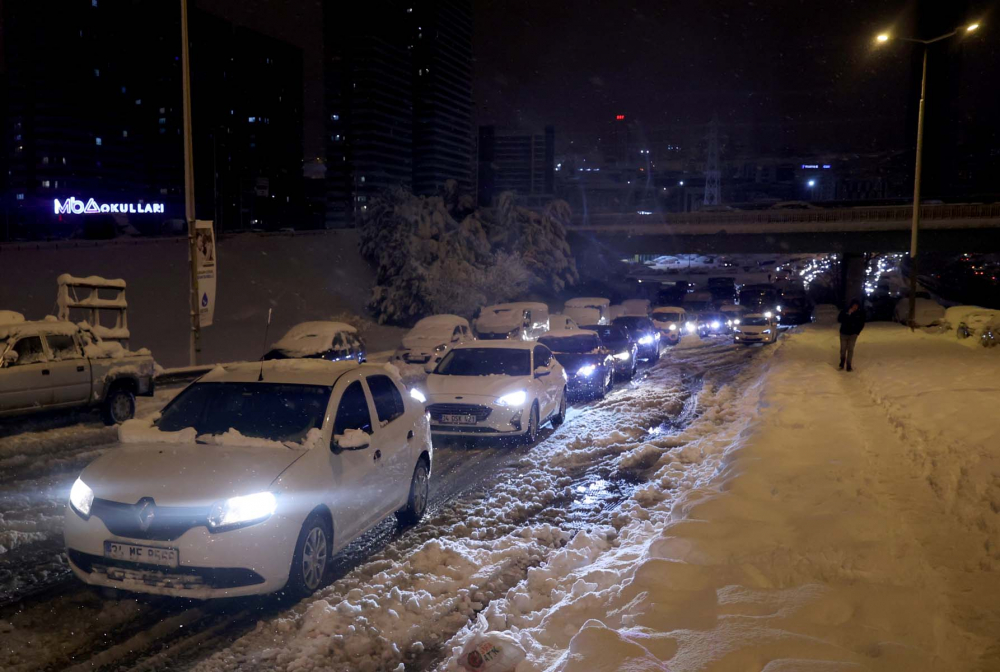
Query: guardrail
{"points": [[844, 215]]}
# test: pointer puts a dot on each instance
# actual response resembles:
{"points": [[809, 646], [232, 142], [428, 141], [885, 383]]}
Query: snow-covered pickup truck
{"points": [[51, 365]]}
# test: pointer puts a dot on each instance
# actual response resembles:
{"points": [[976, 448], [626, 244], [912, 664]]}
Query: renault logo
{"points": [[145, 511]]}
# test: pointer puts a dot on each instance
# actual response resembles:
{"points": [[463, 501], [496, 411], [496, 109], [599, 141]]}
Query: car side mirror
{"points": [[542, 371], [456, 338], [351, 439], [9, 358]]}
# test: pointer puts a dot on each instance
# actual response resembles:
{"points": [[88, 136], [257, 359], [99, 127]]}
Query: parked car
{"points": [[757, 328], [624, 348], [560, 322], [51, 365], [582, 315], [589, 366], [603, 306], [524, 321], [712, 324], [636, 307], [430, 338], [645, 333], [496, 389], [250, 480], [332, 341], [671, 322], [615, 310]]}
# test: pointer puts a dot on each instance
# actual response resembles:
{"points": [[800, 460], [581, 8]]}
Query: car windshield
{"points": [[609, 333], [271, 411], [754, 321], [485, 362], [581, 343], [667, 317], [632, 323]]}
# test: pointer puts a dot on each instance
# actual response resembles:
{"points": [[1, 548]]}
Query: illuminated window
{"points": [[97, 141], [45, 160], [138, 101], [124, 134], [163, 190], [46, 184], [163, 110], [163, 120], [97, 72], [20, 197], [93, 3], [252, 119], [334, 117]]}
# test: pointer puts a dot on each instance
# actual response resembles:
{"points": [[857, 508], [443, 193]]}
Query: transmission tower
{"points": [[712, 173]]}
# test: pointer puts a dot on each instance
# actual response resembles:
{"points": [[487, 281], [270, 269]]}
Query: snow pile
{"points": [[926, 312], [10, 317]]}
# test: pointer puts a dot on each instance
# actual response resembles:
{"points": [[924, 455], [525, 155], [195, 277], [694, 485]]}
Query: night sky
{"points": [[798, 75]]}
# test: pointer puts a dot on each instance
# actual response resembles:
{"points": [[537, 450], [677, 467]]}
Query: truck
{"points": [[57, 365]]}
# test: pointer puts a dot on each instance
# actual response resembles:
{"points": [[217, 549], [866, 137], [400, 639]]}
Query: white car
{"points": [[756, 328], [496, 389], [672, 322], [250, 480], [430, 338], [333, 341]]}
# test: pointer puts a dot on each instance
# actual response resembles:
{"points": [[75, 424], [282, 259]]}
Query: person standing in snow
{"points": [[852, 321]]}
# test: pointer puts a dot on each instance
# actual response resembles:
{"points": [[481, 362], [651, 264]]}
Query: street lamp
{"points": [[881, 39]]}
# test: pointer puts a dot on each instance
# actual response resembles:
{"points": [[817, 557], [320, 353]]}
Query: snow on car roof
{"points": [[534, 305], [311, 338], [588, 302], [52, 326], [500, 345], [668, 309], [10, 317], [441, 320], [567, 333], [288, 371]]}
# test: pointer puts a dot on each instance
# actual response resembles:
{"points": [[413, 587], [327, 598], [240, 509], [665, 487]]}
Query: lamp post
{"points": [[915, 225]]}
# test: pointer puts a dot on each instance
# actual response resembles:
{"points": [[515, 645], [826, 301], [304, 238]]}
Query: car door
{"points": [[356, 472], [547, 385], [71, 384], [393, 436], [25, 382]]}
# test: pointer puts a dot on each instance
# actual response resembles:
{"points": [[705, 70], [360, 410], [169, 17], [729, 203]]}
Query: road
{"points": [[483, 499]]}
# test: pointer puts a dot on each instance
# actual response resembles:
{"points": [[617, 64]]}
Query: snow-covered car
{"points": [[615, 310], [496, 389], [712, 324], [49, 365], [601, 305], [430, 338], [636, 307], [523, 321], [756, 328], [559, 322], [333, 341], [624, 348], [250, 480], [589, 366], [645, 333], [671, 322], [584, 315]]}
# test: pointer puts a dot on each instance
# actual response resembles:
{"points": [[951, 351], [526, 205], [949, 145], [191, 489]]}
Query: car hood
{"points": [[498, 324], [185, 474], [573, 361], [426, 342], [475, 386]]}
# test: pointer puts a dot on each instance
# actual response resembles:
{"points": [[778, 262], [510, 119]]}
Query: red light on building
{"points": [[620, 117]]}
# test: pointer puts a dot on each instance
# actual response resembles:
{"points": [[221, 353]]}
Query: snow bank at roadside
{"points": [[851, 524]]}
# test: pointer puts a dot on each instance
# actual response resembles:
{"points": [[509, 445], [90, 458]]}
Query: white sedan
{"points": [[496, 389], [430, 338], [756, 328], [250, 480]]}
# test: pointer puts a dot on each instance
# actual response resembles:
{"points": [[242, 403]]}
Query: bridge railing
{"points": [[861, 214]]}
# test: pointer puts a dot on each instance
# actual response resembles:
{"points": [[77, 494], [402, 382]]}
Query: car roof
{"points": [[514, 306], [580, 300], [567, 333], [669, 309], [499, 345], [290, 372], [441, 321], [760, 315], [37, 327]]}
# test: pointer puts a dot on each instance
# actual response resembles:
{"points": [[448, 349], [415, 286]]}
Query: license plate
{"points": [[458, 419], [150, 555]]}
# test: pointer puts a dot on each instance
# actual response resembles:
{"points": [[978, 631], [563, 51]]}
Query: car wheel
{"points": [[416, 504], [531, 433], [312, 556], [119, 405], [560, 415]]}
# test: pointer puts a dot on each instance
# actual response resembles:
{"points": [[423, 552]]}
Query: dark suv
{"points": [[645, 334], [623, 347]]}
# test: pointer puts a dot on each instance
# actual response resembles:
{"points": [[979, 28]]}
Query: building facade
{"points": [[520, 162]]}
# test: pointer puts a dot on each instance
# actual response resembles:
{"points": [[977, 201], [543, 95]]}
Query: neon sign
{"points": [[74, 206]]}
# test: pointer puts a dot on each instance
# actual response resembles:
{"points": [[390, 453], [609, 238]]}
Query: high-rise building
{"points": [[398, 100], [520, 162], [442, 99], [92, 115]]}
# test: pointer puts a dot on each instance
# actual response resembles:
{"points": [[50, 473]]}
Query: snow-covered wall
{"points": [[307, 276]]}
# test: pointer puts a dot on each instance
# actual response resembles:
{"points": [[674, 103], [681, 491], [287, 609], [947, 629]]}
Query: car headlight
{"points": [[767, 331], [418, 395], [586, 370], [242, 510], [623, 356], [715, 324], [736, 321], [81, 497], [690, 326], [729, 323], [767, 314], [673, 327], [779, 309], [645, 340], [441, 348], [513, 398]]}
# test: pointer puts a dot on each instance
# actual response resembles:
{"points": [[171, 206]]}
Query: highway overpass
{"points": [[943, 228]]}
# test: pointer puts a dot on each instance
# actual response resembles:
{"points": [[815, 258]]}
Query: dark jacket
{"points": [[851, 324]]}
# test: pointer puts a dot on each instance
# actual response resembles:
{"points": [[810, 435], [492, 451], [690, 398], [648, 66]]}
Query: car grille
{"points": [[416, 359], [165, 524], [437, 410]]}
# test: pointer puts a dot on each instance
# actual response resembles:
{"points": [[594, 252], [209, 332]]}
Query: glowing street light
{"points": [[811, 183], [915, 225]]}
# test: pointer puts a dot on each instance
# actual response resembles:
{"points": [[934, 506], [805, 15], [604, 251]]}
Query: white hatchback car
{"points": [[250, 480], [756, 328], [496, 389], [430, 338]]}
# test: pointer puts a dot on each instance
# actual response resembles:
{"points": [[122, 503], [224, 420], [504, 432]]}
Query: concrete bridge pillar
{"points": [[852, 276]]}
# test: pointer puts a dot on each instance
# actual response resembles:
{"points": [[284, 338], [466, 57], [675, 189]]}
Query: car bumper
{"points": [[586, 384], [752, 338], [250, 560], [670, 337], [500, 421]]}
